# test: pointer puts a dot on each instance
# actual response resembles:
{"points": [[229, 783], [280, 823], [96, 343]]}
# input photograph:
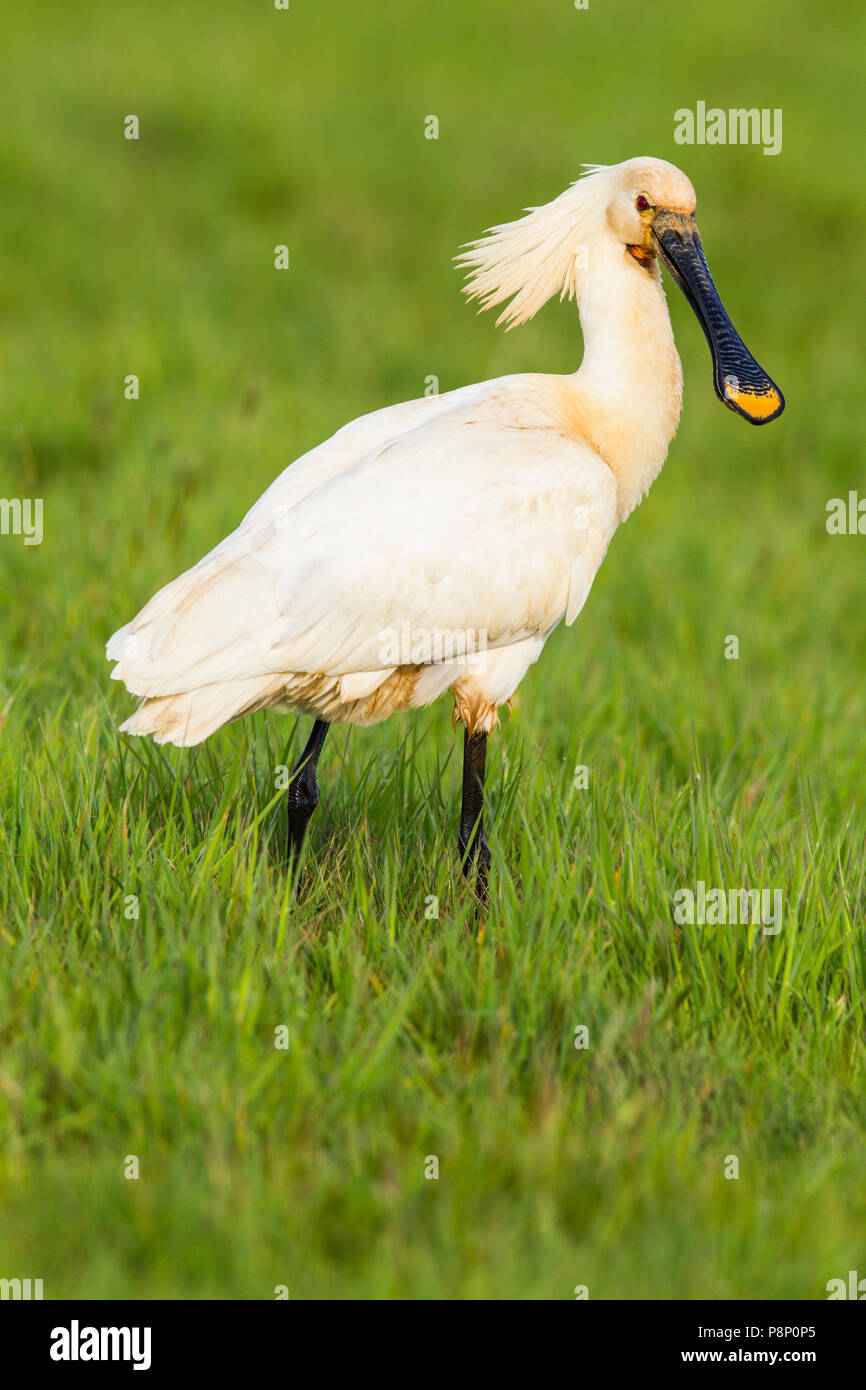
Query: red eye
{"points": [[641, 203]]}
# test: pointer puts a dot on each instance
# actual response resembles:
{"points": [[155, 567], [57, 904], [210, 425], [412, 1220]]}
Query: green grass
{"points": [[153, 1035]]}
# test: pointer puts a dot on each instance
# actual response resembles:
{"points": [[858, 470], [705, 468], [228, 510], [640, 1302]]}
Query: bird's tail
{"points": [[192, 716]]}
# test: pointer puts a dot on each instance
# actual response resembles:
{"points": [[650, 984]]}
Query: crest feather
{"points": [[529, 260]]}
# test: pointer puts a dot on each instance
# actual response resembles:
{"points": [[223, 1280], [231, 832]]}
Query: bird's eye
{"points": [[641, 202]]}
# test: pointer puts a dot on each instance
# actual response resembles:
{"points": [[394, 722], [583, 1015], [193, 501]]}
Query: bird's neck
{"points": [[630, 376]]}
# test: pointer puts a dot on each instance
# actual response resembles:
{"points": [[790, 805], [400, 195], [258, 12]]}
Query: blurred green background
{"points": [[153, 1034]]}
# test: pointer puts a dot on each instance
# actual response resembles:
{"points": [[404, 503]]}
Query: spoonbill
{"points": [[435, 545]]}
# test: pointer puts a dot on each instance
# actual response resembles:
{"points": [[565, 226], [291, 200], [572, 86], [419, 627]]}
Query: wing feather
{"points": [[461, 523]]}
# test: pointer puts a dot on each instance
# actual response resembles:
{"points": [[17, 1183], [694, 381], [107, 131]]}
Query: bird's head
{"points": [[652, 211], [644, 211]]}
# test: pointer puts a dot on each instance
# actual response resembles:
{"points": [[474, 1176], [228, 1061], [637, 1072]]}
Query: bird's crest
{"points": [[529, 260]]}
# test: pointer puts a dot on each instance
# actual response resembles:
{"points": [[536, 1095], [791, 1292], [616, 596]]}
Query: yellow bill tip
{"points": [[756, 406]]}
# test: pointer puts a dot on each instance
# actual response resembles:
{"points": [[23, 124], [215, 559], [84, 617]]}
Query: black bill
{"points": [[741, 384]]}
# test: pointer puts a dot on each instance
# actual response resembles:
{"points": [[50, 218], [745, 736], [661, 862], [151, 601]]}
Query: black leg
{"points": [[474, 852], [303, 791]]}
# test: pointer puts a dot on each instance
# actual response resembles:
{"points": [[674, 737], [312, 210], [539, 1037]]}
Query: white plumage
{"points": [[486, 510]]}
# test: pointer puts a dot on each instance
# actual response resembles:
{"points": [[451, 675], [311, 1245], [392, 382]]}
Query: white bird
{"points": [[436, 544]]}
